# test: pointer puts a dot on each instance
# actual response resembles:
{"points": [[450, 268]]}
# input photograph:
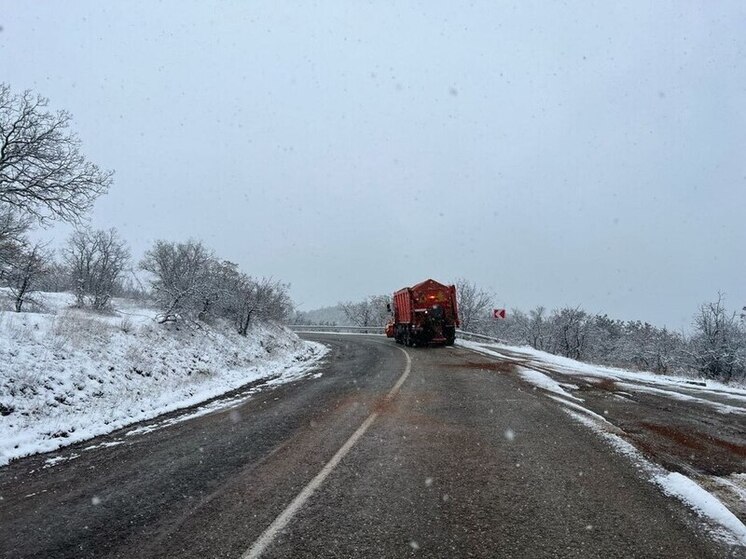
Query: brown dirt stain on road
{"points": [[499, 366]]}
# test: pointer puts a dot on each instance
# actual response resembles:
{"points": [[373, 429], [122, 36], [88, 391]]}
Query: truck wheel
{"points": [[450, 336]]}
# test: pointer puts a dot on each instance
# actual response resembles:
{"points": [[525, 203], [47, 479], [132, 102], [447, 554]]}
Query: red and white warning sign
{"points": [[498, 313]]}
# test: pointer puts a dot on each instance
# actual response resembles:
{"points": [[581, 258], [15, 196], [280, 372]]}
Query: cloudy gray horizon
{"points": [[584, 154]]}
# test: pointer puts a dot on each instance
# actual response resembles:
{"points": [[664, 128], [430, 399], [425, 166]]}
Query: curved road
{"points": [[462, 459]]}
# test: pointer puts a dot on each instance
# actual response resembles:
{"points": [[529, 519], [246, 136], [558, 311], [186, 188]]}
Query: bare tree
{"points": [[56, 277], [13, 227], [218, 283], [605, 338], [359, 313], [515, 326], [131, 286], [719, 343], [190, 282], [537, 328], [26, 272], [42, 172], [274, 297], [474, 305], [371, 311], [247, 303], [570, 332], [182, 277], [265, 298], [667, 350], [96, 260], [380, 309]]}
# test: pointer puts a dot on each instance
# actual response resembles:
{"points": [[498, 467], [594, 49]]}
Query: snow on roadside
{"points": [[722, 408], [580, 408], [490, 349], [74, 375], [736, 395], [540, 380], [703, 502], [723, 523]]}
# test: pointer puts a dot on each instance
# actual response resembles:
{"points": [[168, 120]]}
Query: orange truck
{"points": [[424, 314]]}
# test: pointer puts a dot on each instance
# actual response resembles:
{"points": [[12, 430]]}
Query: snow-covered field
{"points": [[67, 375]]}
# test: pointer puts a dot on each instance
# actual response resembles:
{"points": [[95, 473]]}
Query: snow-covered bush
{"points": [[96, 261], [718, 347]]}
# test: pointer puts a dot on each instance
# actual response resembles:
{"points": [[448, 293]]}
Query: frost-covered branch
{"points": [[43, 174]]}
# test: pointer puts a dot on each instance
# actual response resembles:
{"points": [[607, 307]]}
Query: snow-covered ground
{"points": [[68, 375], [672, 386]]}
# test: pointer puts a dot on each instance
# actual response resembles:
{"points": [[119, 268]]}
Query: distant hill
{"points": [[325, 315]]}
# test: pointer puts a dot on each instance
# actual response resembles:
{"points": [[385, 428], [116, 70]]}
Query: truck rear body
{"points": [[425, 314]]}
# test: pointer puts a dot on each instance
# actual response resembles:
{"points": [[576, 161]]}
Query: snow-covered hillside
{"points": [[67, 375]]}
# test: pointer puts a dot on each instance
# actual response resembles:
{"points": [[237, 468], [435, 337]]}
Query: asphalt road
{"points": [[463, 460]]}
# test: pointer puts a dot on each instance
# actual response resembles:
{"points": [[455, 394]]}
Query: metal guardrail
{"points": [[380, 330], [478, 337], [339, 329]]}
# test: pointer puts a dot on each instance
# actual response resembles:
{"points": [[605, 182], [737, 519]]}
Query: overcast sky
{"points": [[583, 153]]}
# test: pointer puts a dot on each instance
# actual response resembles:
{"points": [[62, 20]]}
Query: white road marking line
{"points": [[261, 544]]}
